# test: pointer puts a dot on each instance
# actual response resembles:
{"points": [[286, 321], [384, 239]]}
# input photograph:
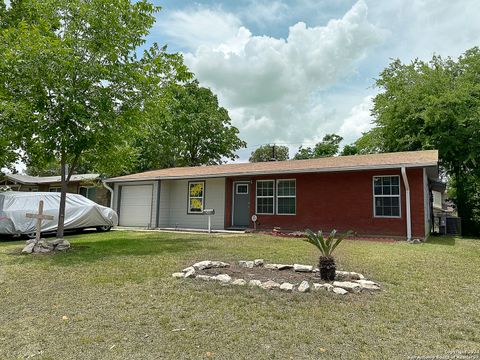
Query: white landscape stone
{"points": [[202, 265], [302, 268], [29, 248], [224, 278], [42, 247], [277, 266], [258, 262], [188, 269], [219, 264], [239, 282], [327, 287], [61, 245], [208, 264], [286, 286], [304, 287], [178, 275], [340, 291], [348, 275], [246, 264], [368, 285], [255, 283], [271, 266], [366, 282], [270, 284], [348, 285], [190, 272]]}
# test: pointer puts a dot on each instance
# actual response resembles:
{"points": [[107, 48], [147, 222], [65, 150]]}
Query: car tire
{"points": [[103, 228]]}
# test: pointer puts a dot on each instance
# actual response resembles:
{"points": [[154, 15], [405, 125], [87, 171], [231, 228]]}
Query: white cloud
{"points": [[265, 12], [358, 121], [273, 87], [423, 27], [199, 27]]}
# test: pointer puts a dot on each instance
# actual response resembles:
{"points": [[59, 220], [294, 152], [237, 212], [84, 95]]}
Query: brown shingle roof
{"points": [[337, 163]]}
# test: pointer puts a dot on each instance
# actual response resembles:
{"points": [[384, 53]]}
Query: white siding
{"points": [[153, 217], [164, 216], [174, 198]]}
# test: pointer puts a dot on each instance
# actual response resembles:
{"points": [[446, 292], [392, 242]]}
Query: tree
{"points": [[71, 84], [7, 153], [185, 126], [269, 153], [329, 146], [349, 149], [435, 105]]}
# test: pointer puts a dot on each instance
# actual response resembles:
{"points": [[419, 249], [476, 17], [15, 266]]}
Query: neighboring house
{"points": [[378, 194], [88, 185], [444, 219]]}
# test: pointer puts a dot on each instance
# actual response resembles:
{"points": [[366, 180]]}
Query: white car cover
{"points": [[80, 212]]}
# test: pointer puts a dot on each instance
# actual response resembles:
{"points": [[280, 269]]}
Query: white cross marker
{"points": [[40, 216]]}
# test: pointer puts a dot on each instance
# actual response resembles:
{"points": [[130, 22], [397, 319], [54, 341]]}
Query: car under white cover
{"points": [[80, 212]]}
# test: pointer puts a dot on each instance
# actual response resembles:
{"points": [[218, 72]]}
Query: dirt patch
{"points": [[262, 274]]}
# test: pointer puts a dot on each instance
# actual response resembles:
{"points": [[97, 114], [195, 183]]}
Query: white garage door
{"points": [[136, 205]]}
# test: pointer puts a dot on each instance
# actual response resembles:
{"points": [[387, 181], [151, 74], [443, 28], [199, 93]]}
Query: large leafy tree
{"points": [[71, 84], [185, 126], [435, 105], [269, 153], [329, 146]]}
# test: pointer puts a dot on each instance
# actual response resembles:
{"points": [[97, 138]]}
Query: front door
{"points": [[241, 204]]}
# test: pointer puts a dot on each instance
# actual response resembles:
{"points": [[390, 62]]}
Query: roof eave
{"points": [[276, 172]]}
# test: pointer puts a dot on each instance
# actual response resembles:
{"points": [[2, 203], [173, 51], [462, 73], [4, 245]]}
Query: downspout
{"points": [[111, 192], [407, 197]]}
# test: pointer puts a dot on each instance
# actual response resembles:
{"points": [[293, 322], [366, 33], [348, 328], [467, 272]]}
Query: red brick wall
{"points": [[342, 201]]}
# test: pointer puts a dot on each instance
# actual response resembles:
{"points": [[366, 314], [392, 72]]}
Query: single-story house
{"points": [[374, 195], [88, 185]]}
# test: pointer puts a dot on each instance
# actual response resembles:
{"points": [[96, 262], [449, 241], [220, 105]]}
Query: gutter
{"points": [[111, 192], [407, 196]]}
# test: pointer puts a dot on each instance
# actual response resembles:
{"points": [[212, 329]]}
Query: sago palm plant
{"points": [[326, 262]]}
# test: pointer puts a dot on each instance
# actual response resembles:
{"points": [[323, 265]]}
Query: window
{"points": [[196, 196], [55, 189], [89, 192], [241, 188], [386, 196], [265, 195], [286, 197]]}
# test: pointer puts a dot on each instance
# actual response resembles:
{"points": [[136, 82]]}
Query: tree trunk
{"points": [[63, 197]]}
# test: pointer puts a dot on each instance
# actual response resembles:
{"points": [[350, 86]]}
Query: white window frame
{"points": [[392, 196], [285, 196], [55, 189], [264, 197], [241, 184], [195, 197]]}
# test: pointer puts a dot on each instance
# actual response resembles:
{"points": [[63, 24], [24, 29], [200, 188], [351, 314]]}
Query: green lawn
{"points": [[122, 303]]}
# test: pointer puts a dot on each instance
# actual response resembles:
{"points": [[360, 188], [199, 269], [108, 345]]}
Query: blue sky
{"points": [[291, 71]]}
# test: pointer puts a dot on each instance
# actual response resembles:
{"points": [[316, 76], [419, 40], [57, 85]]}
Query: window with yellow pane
{"points": [[196, 197]]}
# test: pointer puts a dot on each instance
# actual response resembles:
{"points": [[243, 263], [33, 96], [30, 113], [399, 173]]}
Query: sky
{"points": [[289, 72]]}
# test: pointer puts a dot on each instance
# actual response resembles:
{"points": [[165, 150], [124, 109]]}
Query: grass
{"points": [[121, 302]]}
